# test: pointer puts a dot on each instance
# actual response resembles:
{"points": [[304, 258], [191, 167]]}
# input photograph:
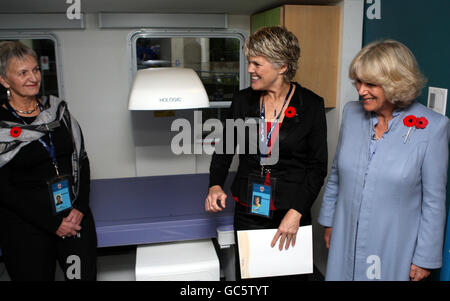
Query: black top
{"points": [[302, 164], [24, 193]]}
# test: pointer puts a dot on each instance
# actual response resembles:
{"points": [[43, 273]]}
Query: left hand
{"points": [[75, 216], [417, 273], [67, 229], [287, 231]]}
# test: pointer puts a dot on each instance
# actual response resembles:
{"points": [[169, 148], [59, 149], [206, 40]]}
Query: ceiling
{"points": [[245, 7]]}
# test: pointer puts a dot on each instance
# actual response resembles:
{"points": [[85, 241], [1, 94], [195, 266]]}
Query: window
{"points": [[215, 56], [45, 48], [216, 61]]}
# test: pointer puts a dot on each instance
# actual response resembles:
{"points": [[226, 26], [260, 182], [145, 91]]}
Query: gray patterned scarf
{"points": [[54, 114]]}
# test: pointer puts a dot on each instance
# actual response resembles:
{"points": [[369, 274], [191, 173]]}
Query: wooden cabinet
{"points": [[318, 31]]}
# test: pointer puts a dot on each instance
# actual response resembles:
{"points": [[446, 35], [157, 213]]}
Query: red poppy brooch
{"points": [[15, 132], [411, 122], [290, 112]]}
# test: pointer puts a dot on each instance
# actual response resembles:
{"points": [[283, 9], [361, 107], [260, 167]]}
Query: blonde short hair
{"points": [[391, 65], [278, 45]]}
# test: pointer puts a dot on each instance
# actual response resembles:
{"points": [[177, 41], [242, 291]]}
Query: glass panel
{"points": [[45, 50], [216, 60]]}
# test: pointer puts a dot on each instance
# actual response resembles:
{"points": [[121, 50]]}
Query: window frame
{"points": [[188, 33], [23, 35]]}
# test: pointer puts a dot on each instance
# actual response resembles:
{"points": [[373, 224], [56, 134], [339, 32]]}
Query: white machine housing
{"points": [[167, 88], [178, 261]]}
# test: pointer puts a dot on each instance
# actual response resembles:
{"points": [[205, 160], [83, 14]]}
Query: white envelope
{"points": [[259, 259]]}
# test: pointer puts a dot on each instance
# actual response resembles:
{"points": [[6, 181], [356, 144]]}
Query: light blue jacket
{"points": [[394, 216]]}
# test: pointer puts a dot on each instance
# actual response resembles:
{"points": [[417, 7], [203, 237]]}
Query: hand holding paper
{"points": [[288, 229], [259, 259]]}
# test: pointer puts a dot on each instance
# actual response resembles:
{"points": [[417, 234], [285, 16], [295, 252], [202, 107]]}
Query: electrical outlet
{"points": [[437, 99]]}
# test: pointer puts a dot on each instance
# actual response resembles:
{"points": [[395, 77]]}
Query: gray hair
{"points": [[278, 45], [13, 49]]}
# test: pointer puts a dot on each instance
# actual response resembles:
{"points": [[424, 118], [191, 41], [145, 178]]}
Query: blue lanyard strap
{"points": [[49, 147], [265, 140]]}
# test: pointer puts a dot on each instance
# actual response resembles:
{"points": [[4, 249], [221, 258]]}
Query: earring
{"points": [[8, 93]]}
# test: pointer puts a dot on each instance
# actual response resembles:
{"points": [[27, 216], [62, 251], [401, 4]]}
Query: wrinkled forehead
{"points": [[23, 62]]}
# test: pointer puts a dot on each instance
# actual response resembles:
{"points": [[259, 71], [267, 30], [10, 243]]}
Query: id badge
{"points": [[260, 193], [60, 196]]}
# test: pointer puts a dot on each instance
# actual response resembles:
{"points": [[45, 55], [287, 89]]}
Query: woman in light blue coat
{"points": [[384, 203]]}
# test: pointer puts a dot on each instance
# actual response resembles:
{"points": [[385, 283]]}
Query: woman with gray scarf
{"points": [[44, 178]]}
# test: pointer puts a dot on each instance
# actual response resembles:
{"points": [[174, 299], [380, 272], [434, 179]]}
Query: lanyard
{"points": [[49, 147], [265, 139]]}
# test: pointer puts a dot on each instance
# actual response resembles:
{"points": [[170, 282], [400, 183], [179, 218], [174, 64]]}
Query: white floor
{"points": [[119, 265], [110, 268], [3, 273]]}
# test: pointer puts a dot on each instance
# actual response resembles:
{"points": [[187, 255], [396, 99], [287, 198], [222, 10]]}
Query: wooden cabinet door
{"points": [[318, 31]]}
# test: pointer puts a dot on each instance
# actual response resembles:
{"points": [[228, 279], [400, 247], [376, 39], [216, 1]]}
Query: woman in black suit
{"points": [[288, 112]]}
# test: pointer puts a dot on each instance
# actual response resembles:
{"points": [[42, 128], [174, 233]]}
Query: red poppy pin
{"points": [[410, 121], [15, 132], [290, 112], [421, 123], [413, 121]]}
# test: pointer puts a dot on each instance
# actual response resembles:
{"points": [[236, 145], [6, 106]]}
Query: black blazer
{"points": [[302, 164]]}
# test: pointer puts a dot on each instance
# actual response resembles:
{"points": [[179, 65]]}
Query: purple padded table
{"points": [[133, 211]]}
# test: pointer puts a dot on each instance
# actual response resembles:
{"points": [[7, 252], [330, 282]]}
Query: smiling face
{"points": [[263, 73], [23, 77], [373, 97]]}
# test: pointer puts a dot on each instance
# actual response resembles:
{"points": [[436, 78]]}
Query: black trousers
{"points": [[245, 221], [30, 254]]}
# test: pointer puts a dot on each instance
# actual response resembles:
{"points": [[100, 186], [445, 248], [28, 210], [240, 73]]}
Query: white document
{"points": [[259, 259]]}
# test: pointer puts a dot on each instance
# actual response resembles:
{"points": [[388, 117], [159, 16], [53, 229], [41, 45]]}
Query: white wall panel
{"points": [[95, 67]]}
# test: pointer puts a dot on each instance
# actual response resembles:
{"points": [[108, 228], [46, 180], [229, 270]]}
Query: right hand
{"points": [[67, 229], [327, 236], [215, 193]]}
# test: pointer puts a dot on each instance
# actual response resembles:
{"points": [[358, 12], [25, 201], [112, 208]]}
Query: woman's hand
{"points": [[75, 216], [287, 231], [215, 193], [417, 273], [70, 224], [67, 229], [327, 236]]}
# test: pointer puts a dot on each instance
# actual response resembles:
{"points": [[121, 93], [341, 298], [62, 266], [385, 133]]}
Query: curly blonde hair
{"points": [[391, 65], [278, 45]]}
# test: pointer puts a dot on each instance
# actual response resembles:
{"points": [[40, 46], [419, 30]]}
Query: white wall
{"points": [[95, 72], [95, 65]]}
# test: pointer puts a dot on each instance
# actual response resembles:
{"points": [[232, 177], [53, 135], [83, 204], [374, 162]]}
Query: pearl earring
{"points": [[8, 93]]}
